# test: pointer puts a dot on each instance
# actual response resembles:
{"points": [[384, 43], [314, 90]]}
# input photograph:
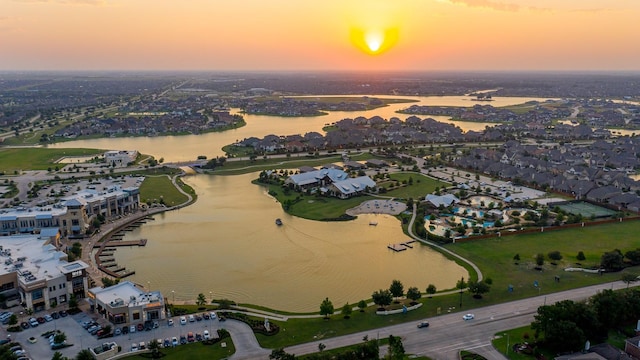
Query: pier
{"points": [[401, 246]]}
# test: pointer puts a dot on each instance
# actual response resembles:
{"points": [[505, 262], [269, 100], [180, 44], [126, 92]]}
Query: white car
{"points": [[206, 335], [134, 347], [170, 322], [183, 320], [212, 315], [132, 328], [48, 318], [192, 318], [468, 316], [174, 341]]}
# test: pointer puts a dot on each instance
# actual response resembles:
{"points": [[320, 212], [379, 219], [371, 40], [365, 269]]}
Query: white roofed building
{"points": [[125, 303], [37, 274], [352, 186]]}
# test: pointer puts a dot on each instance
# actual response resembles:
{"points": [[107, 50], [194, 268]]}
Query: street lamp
{"points": [[211, 296], [173, 294]]}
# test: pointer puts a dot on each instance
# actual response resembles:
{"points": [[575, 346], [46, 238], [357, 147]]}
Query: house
{"points": [[352, 186], [353, 165]]}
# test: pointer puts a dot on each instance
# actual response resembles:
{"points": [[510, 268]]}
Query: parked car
{"points": [[192, 318], [132, 328], [125, 329], [55, 315], [468, 317], [142, 345], [48, 318], [170, 322], [183, 339], [41, 320], [212, 315], [190, 337], [174, 341], [198, 337], [140, 327], [117, 331], [198, 317], [183, 320], [33, 322], [167, 343], [423, 324], [134, 347], [206, 335], [25, 325], [63, 313], [206, 316]]}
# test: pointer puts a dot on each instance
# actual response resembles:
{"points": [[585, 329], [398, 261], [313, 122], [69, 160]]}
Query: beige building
{"points": [[127, 304], [36, 274]]}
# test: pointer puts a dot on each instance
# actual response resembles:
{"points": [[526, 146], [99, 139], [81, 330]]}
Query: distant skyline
{"points": [[333, 35]]}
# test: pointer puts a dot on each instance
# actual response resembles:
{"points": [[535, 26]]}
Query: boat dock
{"points": [[401, 246], [115, 243]]}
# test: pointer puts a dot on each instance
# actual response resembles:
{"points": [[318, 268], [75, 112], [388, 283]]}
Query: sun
{"points": [[374, 42]]}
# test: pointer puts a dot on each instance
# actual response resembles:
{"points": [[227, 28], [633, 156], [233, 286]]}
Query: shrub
{"points": [[555, 255]]}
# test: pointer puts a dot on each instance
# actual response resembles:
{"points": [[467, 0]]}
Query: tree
{"points": [[154, 346], [477, 288], [555, 255], [201, 300], [382, 298], [60, 338], [629, 278], [326, 308], [362, 305], [567, 325], [346, 310], [73, 302], [58, 356], [431, 289], [84, 355], [396, 289], [280, 354], [633, 256], [612, 260], [321, 347], [396, 349], [413, 294], [581, 256], [539, 259], [516, 257], [13, 319]]}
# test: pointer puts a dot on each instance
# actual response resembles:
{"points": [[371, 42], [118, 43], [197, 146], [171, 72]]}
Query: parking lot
{"points": [[81, 339]]}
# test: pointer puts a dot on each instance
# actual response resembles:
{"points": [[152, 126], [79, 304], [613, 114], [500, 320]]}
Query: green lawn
{"points": [[495, 257], [195, 351], [422, 185], [154, 188], [37, 158]]}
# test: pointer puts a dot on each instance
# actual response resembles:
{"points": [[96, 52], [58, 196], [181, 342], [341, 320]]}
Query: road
{"points": [[448, 334]]}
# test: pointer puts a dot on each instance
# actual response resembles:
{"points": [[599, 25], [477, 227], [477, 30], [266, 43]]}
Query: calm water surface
{"points": [[227, 243], [189, 147]]}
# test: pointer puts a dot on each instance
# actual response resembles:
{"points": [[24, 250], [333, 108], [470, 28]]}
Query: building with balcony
{"points": [[127, 304]]}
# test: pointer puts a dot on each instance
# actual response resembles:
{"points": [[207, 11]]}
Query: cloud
{"points": [[64, 2], [489, 4]]}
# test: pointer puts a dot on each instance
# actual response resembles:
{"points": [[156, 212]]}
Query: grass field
{"points": [[16, 159], [154, 188], [422, 185]]}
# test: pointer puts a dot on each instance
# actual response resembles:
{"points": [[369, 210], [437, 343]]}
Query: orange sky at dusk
{"points": [[412, 35]]}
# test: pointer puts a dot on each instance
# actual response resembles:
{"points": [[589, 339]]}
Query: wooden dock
{"points": [[397, 247], [401, 246], [111, 244]]}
